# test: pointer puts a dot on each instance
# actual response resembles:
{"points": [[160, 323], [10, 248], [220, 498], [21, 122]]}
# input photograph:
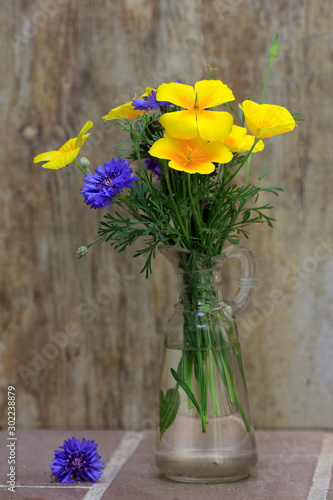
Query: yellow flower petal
{"points": [[82, 135], [213, 152], [203, 168], [127, 110], [211, 125], [124, 111], [238, 141], [193, 156], [62, 159], [180, 124], [70, 145], [68, 151], [212, 93], [176, 93], [49, 155], [214, 125], [267, 120], [167, 147]]}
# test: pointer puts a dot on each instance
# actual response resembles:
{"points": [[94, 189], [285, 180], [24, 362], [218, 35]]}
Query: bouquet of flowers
{"points": [[183, 191]]}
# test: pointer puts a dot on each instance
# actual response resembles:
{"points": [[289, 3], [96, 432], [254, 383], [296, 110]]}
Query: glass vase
{"points": [[205, 431]]}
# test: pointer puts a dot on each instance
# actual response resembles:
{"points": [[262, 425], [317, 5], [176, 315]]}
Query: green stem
{"points": [[201, 382], [228, 377], [130, 208], [178, 218], [266, 81], [95, 241], [228, 105], [242, 163], [247, 171], [249, 162], [242, 412], [142, 169], [211, 374], [212, 386], [198, 219], [188, 373], [79, 167], [184, 179], [173, 182], [186, 368], [237, 353]]}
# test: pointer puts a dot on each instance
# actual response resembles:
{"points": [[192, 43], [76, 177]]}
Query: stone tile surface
{"points": [[284, 471], [330, 491], [35, 452], [63, 493], [287, 464]]}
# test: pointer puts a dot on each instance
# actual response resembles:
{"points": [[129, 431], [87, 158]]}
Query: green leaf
{"points": [[186, 388], [169, 406], [298, 117]]}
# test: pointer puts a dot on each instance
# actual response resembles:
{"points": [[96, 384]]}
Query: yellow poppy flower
{"points": [[67, 153], [124, 111], [239, 141], [191, 155], [127, 110], [196, 118], [267, 120]]}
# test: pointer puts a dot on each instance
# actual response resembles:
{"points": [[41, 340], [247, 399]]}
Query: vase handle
{"points": [[247, 282]]}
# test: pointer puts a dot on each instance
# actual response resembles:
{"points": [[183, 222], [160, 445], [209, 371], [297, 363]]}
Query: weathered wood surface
{"points": [[81, 340]]}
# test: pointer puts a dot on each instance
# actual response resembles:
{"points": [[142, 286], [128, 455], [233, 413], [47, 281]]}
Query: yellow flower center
{"points": [[68, 147], [187, 156], [264, 124], [230, 141]]}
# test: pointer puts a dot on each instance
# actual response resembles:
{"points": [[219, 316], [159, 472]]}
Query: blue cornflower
{"points": [[149, 102], [77, 461], [153, 167], [100, 188]]}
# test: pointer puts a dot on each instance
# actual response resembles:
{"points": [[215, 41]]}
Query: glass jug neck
{"points": [[199, 289], [202, 293], [198, 277], [202, 279], [190, 262]]}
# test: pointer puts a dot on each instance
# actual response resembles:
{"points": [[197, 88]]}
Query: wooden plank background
{"points": [[81, 340]]}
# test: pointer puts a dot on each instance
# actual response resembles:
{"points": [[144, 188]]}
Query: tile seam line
{"points": [[127, 447], [47, 486], [322, 475]]}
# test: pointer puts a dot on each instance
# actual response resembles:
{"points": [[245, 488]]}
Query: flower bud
{"points": [[85, 163], [274, 50], [81, 252]]}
